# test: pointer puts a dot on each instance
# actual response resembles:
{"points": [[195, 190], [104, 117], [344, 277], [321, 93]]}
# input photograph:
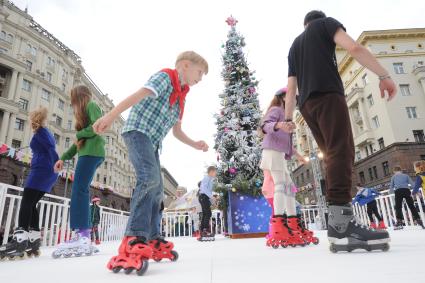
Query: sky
{"points": [[122, 43]]}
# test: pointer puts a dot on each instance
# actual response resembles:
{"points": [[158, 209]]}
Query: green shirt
{"points": [[94, 144]]}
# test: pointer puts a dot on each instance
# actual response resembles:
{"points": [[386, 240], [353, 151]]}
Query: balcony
{"points": [[363, 138], [419, 70], [358, 119], [354, 95]]}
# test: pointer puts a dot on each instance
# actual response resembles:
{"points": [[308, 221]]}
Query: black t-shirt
{"points": [[312, 60]]}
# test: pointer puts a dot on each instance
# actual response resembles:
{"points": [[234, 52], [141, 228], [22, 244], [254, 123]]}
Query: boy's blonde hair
{"points": [[37, 117], [193, 57]]}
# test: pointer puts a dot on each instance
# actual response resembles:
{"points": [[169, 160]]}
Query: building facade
{"points": [[37, 69]]}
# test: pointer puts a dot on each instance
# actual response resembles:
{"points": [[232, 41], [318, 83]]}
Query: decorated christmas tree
{"points": [[237, 141]]}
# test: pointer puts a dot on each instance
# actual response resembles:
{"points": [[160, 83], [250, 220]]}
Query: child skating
{"points": [[367, 196], [156, 108], [95, 220], [91, 153], [285, 226], [27, 237], [205, 197]]}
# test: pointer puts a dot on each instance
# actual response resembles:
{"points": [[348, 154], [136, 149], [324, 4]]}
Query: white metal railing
{"points": [[386, 207], [183, 224], [54, 217]]}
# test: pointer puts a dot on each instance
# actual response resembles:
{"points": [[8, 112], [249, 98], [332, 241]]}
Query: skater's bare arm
{"points": [[290, 99], [181, 136], [102, 124], [364, 57]]}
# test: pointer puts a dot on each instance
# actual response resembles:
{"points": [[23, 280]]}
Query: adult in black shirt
{"points": [[314, 70]]}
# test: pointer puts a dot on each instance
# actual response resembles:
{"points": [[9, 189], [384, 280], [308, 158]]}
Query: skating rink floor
{"points": [[238, 261]]}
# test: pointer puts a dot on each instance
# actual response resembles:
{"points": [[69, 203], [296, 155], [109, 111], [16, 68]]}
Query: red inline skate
{"points": [[133, 254], [278, 234], [163, 249], [296, 237], [306, 234]]}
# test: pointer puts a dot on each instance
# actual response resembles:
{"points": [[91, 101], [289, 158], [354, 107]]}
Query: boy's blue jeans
{"points": [[147, 196]]}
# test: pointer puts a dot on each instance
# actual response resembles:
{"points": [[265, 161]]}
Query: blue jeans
{"points": [[147, 197], [80, 201]]}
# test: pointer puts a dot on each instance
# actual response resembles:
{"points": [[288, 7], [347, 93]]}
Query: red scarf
{"points": [[178, 92]]}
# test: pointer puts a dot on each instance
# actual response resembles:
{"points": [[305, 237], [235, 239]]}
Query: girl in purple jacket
{"points": [[285, 226], [26, 238]]}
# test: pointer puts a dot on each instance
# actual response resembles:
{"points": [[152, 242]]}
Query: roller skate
{"points": [[34, 243], [206, 236], [16, 248], [278, 234], [296, 237], [79, 245], [133, 254], [306, 235], [163, 249], [381, 225], [346, 234]]}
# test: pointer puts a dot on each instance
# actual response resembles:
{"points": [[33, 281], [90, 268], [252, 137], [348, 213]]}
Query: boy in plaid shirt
{"points": [[156, 108]]}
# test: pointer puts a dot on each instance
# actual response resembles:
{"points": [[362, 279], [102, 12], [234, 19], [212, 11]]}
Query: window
{"points": [[422, 156], [107, 139], [302, 177], [57, 138], [419, 135], [23, 104], [69, 125], [67, 141], [50, 62], [49, 77], [358, 155], [375, 122], [405, 90], [3, 35], [9, 38], [370, 174], [28, 65], [370, 100], [104, 180], [386, 168], [106, 165], [16, 143], [381, 143], [371, 150], [71, 110], [64, 75], [31, 50], [26, 85], [375, 172], [308, 174], [97, 178], [365, 80], [362, 178], [45, 94], [61, 104], [411, 112], [19, 124], [63, 87], [58, 121], [398, 68]]}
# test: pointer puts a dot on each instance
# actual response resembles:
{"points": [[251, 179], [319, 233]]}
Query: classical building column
{"points": [[4, 126]]}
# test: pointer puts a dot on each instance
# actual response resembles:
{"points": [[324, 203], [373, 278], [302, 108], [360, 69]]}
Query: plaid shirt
{"points": [[153, 115]]}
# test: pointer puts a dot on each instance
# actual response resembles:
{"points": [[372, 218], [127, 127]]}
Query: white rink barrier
{"points": [[54, 217], [183, 224]]}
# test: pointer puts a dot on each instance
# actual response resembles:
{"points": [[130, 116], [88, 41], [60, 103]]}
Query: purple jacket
{"points": [[276, 139]]}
